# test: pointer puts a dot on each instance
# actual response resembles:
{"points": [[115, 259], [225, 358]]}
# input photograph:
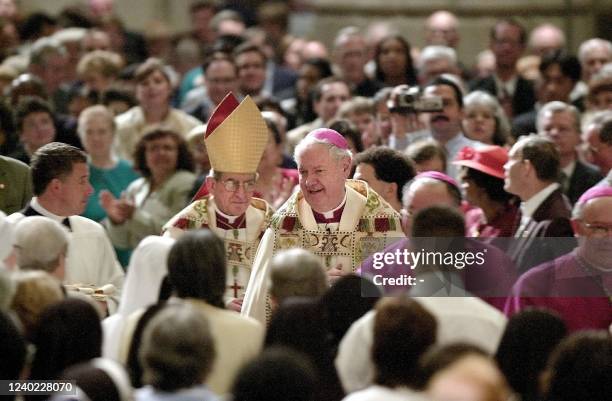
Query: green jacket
{"points": [[15, 185]]}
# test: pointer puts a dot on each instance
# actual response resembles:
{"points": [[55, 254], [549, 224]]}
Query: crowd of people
{"points": [[236, 212]]}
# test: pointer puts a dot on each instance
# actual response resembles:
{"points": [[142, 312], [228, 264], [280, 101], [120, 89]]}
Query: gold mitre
{"points": [[236, 136]]}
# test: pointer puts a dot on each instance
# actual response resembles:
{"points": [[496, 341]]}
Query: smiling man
{"points": [[236, 136], [60, 183], [338, 220]]}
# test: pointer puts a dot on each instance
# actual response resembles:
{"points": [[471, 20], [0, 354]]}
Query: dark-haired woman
{"points": [[482, 179], [393, 62], [163, 159]]}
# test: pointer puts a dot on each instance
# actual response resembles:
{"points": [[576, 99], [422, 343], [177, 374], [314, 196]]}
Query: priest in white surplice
{"points": [[60, 178]]}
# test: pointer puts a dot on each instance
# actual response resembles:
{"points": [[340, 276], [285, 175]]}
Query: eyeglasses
{"points": [[599, 230], [233, 185]]}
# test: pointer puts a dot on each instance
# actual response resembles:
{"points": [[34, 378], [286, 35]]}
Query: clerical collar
{"points": [[34, 204], [331, 216], [237, 222], [230, 219], [34, 208]]}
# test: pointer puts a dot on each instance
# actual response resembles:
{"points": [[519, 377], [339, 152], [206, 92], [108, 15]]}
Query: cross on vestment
{"points": [[236, 287]]}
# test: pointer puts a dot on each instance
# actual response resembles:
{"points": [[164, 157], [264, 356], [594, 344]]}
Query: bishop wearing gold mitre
{"points": [[236, 136]]}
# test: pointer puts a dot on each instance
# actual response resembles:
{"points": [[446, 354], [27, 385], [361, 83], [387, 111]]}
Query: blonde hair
{"points": [[34, 292]]}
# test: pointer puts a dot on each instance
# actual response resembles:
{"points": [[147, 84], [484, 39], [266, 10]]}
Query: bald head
{"points": [[422, 193], [545, 39], [442, 28]]}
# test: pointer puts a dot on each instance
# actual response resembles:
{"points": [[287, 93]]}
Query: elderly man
{"points": [[598, 137], [236, 136], [593, 55], [577, 285], [531, 173], [41, 244], [437, 60], [60, 178], [338, 220], [433, 189], [560, 122]]}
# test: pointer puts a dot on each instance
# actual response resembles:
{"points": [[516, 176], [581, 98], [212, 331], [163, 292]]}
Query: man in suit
{"points": [[559, 74], [560, 122], [15, 185], [516, 94], [531, 173]]}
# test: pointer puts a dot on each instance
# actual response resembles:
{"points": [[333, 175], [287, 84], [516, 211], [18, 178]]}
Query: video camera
{"points": [[411, 100]]}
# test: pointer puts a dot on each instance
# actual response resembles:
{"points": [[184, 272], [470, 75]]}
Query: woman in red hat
{"points": [[482, 177]]}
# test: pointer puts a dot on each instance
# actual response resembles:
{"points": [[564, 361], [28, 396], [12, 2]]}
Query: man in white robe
{"points": [[61, 188]]}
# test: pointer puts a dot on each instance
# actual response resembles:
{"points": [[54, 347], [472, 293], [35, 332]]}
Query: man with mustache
{"points": [[341, 221], [445, 125]]}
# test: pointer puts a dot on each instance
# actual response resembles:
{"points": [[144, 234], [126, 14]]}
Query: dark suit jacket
{"points": [[550, 220], [15, 185], [524, 96], [524, 124], [584, 177], [282, 79]]}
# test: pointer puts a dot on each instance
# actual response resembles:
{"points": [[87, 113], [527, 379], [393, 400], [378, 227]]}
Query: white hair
{"points": [[436, 52], [557, 107], [335, 152], [591, 44], [346, 33], [39, 243], [91, 111]]}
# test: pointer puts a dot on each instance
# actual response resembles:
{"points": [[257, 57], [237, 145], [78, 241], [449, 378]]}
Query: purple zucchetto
{"points": [[331, 136], [598, 191], [436, 175]]}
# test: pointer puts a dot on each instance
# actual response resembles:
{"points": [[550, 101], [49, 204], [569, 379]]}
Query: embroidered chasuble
{"points": [[241, 236], [367, 224]]}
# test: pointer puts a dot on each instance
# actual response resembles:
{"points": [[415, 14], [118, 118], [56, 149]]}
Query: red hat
{"points": [[487, 159]]}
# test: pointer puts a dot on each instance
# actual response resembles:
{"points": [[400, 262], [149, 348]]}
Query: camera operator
{"points": [[437, 114], [407, 125]]}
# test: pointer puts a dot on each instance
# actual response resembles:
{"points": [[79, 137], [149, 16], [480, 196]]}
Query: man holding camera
{"points": [[440, 109]]}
